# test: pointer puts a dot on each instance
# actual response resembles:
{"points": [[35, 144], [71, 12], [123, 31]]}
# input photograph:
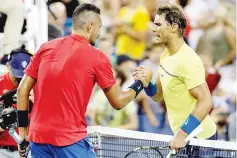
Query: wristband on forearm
{"points": [[22, 116], [137, 86], [190, 124], [151, 90]]}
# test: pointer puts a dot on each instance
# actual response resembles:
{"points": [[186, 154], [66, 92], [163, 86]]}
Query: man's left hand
{"points": [[178, 142]]}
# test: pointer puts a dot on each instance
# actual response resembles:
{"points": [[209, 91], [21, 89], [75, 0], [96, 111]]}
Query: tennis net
{"points": [[116, 143]]}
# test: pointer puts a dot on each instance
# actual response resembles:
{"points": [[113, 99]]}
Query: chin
{"points": [[159, 41], [92, 43]]}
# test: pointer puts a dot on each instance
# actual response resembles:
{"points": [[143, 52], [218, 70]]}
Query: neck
{"points": [[80, 33], [13, 80], [174, 45]]}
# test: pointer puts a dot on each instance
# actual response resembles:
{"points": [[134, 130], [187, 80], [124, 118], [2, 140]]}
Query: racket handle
{"points": [[188, 138], [172, 152], [15, 136], [24, 145]]}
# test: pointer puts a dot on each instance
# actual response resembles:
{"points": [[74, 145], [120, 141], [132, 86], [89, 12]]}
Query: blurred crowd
{"points": [[126, 37]]}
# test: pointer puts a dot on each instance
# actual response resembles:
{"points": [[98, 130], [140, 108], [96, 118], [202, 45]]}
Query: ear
{"points": [[8, 66], [174, 27], [90, 27]]}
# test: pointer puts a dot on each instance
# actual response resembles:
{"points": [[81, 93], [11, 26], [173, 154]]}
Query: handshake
{"points": [[143, 74]]}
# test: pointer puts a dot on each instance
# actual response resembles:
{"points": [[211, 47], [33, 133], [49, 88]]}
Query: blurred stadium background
{"points": [[127, 39]]}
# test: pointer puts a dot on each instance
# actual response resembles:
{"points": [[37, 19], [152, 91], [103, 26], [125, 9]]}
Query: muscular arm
{"points": [[23, 92], [204, 101], [159, 95], [118, 98], [203, 105]]}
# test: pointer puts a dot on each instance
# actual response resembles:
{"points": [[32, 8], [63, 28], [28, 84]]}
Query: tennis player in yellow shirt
{"points": [[180, 81]]}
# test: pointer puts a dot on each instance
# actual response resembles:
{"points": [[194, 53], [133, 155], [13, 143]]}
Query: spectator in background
{"points": [[219, 39], [105, 115], [132, 27], [14, 9], [109, 12], [19, 59], [220, 115], [151, 6], [56, 20], [105, 44], [70, 5], [196, 20], [232, 122], [212, 75], [127, 65]]}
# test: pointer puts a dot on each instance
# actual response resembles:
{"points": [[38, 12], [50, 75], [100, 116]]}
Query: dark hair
{"points": [[173, 15], [85, 7]]}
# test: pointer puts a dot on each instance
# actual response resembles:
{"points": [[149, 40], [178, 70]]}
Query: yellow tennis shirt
{"points": [[178, 74]]}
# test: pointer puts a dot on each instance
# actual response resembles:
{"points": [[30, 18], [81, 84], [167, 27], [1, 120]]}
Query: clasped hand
{"points": [[143, 74]]}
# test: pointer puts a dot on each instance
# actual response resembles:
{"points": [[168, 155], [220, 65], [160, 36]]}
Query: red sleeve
{"points": [[32, 68], [103, 72]]}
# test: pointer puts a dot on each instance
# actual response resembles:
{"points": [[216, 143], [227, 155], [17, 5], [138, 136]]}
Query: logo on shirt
{"points": [[167, 72], [24, 64]]}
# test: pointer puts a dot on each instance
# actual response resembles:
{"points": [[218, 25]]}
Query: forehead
{"points": [[159, 18]]}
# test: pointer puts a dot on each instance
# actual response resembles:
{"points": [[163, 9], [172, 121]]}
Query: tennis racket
{"points": [[150, 152], [24, 145], [159, 152]]}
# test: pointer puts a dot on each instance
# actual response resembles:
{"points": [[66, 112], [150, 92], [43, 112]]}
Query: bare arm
{"points": [[203, 105], [145, 75], [159, 95], [118, 98], [23, 92]]}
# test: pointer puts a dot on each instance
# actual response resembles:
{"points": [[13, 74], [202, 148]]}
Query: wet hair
{"points": [[174, 16]]}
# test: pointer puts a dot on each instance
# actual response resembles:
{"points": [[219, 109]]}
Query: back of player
{"points": [[65, 79]]}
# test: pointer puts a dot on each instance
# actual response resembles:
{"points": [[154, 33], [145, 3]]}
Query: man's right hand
{"points": [[24, 148], [143, 74]]}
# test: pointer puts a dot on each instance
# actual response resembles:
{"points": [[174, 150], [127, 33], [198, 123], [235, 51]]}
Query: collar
{"points": [[79, 38]]}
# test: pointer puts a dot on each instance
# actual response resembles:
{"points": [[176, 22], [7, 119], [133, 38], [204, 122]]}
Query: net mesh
{"points": [[116, 143]]}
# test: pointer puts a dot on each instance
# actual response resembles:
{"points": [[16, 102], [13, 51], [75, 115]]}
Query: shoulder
{"points": [[2, 78], [189, 56], [100, 56], [48, 45], [2, 83]]}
